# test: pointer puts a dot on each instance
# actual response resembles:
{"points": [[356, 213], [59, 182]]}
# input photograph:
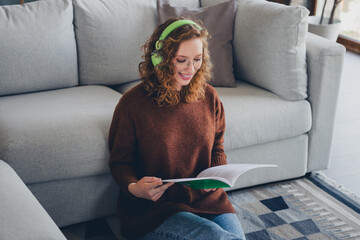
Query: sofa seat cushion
{"points": [[124, 87], [57, 134], [255, 116]]}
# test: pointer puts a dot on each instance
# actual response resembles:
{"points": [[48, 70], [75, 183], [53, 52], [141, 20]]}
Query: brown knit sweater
{"points": [[166, 142]]}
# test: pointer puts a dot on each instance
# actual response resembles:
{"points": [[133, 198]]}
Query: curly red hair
{"points": [[159, 81]]}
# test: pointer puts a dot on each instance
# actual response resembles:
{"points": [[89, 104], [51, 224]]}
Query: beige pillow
{"points": [[219, 21]]}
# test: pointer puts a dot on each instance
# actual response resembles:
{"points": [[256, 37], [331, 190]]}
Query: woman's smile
{"points": [[186, 77]]}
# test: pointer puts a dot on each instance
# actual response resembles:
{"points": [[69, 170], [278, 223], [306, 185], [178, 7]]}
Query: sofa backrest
{"points": [[38, 49], [109, 35]]}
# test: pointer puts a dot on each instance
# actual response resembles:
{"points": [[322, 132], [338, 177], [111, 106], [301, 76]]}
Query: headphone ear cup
{"points": [[156, 59]]}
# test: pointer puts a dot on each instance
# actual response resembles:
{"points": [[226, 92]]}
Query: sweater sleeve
{"points": [[122, 145], [218, 156]]}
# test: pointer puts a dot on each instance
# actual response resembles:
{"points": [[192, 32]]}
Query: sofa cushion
{"points": [[109, 34], [219, 21], [269, 46], [123, 88], [57, 134], [37, 45], [22, 216], [255, 116]]}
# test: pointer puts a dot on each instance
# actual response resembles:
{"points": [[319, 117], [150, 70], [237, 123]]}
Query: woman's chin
{"points": [[182, 84]]}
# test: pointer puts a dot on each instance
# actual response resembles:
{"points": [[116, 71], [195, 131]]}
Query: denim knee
{"points": [[189, 226]]}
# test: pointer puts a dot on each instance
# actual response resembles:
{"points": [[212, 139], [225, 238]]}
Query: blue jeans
{"points": [[190, 226]]}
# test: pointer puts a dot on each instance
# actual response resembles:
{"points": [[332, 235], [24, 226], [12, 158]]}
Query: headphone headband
{"points": [[157, 58], [171, 28]]}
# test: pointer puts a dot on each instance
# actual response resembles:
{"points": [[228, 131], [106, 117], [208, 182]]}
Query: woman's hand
{"points": [[150, 188], [210, 189]]}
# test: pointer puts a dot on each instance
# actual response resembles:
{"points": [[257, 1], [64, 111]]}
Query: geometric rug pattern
{"points": [[296, 209]]}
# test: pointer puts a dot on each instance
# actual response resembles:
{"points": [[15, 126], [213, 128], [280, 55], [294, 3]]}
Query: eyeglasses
{"points": [[184, 63]]}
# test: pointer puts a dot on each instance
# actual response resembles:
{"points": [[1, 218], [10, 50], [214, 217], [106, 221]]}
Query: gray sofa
{"points": [[22, 216], [65, 64]]}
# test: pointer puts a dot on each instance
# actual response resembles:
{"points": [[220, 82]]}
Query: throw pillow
{"points": [[270, 48], [219, 21]]}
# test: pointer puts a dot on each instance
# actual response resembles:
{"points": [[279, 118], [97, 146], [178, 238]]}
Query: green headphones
{"points": [[157, 58]]}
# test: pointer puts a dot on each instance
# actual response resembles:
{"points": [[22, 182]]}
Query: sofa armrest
{"points": [[324, 63], [21, 215]]}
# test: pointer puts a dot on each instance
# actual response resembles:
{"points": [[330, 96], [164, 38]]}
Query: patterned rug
{"points": [[306, 208]]}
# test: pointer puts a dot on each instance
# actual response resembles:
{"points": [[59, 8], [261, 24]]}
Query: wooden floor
{"points": [[345, 160]]}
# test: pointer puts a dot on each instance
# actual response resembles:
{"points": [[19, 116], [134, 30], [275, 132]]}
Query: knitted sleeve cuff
{"points": [[218, 160], [123, 176]]}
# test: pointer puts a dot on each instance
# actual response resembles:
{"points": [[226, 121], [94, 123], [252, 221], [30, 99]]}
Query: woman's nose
{"points": [[190, 66]]}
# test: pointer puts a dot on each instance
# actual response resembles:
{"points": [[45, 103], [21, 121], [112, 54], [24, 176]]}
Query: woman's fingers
{"points": [[161, 191], [153, 185], [167, 185], [150, 179], [210, 189], [150, 188], [143, 188]]}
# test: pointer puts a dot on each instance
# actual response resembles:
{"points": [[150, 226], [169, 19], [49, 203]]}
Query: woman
{"points": [[171, 126]]}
